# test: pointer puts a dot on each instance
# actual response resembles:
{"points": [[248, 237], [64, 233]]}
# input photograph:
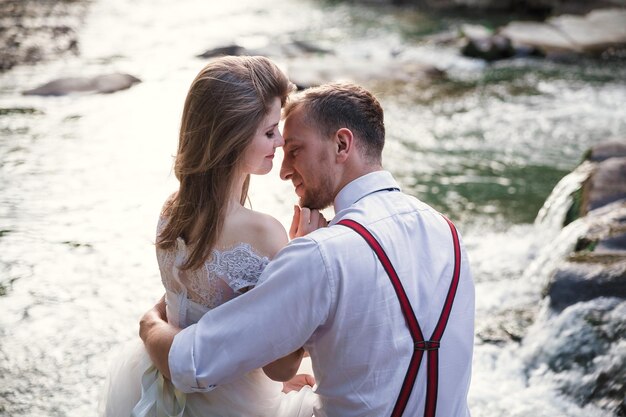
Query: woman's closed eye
{"points": [[271, 134]]}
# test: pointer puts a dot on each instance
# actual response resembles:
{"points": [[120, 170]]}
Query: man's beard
{"points": [[319, 197]]}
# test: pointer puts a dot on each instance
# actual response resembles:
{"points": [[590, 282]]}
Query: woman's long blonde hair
{"points": [[225, 105]]}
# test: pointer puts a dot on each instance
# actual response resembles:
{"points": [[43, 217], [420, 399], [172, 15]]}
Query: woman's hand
{"points": [[305, 221], [297, 382]]}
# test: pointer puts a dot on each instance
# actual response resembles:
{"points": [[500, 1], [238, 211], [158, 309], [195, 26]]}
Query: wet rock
{"points": [[233, 49], [489, 48], [606, 150], [506, 326], [606, 184], [106, 84], [291, 49], [594, 33], [576, 282], [604, 179], [311, 72], [597, 267], [310, 48]]}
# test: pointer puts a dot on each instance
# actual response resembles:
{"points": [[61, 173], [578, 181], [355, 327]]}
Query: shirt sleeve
{"points": [[293, 298]]}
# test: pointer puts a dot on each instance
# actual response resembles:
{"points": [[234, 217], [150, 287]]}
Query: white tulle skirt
{"points": [[135, 388]]}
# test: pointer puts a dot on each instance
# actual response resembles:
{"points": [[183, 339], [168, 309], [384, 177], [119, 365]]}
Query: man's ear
{"points": [[344, 142]]}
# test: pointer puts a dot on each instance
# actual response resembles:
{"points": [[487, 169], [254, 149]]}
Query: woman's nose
{"points": [[280, 141]]}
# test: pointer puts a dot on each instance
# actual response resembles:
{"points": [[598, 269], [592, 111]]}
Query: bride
{"points": [[210, 248]]}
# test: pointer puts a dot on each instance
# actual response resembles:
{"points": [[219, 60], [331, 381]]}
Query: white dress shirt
{"points": [[329, 293]]}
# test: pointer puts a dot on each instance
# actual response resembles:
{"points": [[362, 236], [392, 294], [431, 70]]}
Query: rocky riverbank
{"points": [[537, 7], [580, 336], [35, 30], [600, 33]]}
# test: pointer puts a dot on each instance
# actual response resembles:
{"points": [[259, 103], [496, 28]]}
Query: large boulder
{"points": [[606, 184], [587, 277], [595, 33], [106, 84], [604, 179], [606, 150], [313, 71], [597, 266]]}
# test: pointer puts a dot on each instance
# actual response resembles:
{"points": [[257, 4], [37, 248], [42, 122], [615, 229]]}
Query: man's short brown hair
{"points": [[331, 107]]}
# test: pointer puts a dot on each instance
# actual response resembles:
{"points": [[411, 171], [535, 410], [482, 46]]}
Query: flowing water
{"points": [[82, 179]]}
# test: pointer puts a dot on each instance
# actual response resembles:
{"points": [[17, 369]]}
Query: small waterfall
{"points": [[552, 241], [551, 216], [579, 351], [553, 251]]}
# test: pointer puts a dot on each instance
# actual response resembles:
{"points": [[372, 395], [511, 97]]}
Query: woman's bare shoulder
{"points": [[262, 231]]}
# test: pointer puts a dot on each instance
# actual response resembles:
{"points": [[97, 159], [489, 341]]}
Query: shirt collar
{"points": [[362, 186]]}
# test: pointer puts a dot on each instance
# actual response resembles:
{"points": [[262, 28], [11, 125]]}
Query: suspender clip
{"points": [[427, 345]]}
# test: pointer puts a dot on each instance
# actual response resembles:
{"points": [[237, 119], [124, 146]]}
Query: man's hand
{"points": [[305, 221], [158, 335], [297, 382]]}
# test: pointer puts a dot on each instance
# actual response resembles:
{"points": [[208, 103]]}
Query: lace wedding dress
{"points": [[136, 388]]}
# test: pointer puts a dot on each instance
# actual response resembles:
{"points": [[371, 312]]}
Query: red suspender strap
{"points": [[420, 345]]}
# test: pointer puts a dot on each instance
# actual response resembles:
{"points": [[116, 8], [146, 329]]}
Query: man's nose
{"points": [[285, 168]]}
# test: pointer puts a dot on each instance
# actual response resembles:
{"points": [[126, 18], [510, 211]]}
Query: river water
{"points": [[82, 179]]}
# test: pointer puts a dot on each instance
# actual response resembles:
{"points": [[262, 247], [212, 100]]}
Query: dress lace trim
{"points": [[227, 274], [240, 266]]}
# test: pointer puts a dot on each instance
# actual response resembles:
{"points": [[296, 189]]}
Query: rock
{"points": [[310, 48], [606, 150], [606, 184], [306, 73], [106, 84], [506, 326], [538, 35], [475, 31], [293, 48], [491, 48], [594, 33], [576, 282], [233, 49], [597, 267]]}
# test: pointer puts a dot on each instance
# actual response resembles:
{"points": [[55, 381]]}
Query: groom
{"points": [[385, 335]]}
